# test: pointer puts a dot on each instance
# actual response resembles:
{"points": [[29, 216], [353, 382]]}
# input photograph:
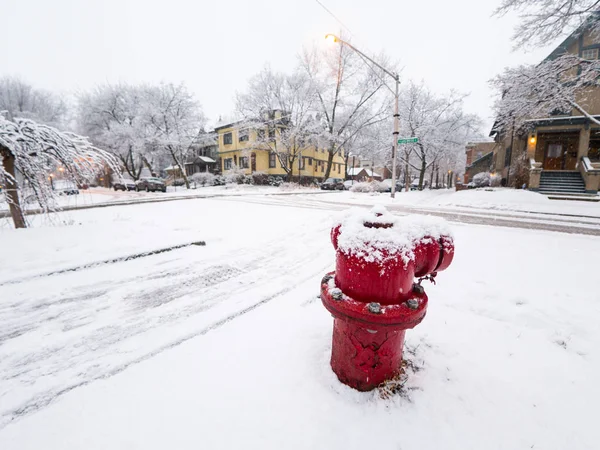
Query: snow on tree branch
{"points": [[553, 87], [545, 20], [36, 150]]}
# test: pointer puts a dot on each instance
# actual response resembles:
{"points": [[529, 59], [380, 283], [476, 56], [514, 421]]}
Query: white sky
{"points": [[215, 46]]}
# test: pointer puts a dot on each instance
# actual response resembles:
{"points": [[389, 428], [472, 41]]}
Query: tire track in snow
{"points": [[40, 402]]}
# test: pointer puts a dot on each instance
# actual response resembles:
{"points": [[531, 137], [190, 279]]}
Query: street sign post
{"points": [[410, 140]]}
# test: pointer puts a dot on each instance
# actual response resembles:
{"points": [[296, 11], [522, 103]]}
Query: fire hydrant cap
{"points": [[377, 235]]}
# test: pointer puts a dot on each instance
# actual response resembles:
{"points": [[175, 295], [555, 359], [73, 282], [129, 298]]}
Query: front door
{"points": [[560, 150]]}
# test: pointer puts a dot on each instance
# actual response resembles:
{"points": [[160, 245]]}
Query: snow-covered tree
{"points": [[281, 108], [29, 151], [175, 120], [545, 20], [554, 86], [114, 118], [141, 124], [350, 95], [440, 123], [20, 99]]}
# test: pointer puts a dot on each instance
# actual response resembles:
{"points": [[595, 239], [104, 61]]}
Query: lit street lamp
{"points": [[334, 38]]}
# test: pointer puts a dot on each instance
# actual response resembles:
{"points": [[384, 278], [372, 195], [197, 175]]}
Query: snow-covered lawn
{"points": [[497, 199], [226, 346]]}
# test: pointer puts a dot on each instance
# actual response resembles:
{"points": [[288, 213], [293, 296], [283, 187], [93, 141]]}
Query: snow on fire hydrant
{"points": [[373, 295]]}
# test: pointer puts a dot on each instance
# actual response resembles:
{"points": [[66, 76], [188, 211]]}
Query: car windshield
{"points": [[332, 180]]}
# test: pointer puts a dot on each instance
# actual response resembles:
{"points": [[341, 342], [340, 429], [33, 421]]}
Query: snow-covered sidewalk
{"points": [[486, 199], [226, 346]]}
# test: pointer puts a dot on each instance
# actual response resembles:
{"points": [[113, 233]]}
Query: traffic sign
{"points": [[411, 140]]}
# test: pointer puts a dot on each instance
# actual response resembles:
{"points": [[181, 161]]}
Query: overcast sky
{"points": [[215, 46]]}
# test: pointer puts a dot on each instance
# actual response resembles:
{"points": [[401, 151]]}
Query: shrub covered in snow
{"points": [[234, 176], [482, 179], [275, 181], [260, 178], [203, 178], [368, 187], [361, 187]]}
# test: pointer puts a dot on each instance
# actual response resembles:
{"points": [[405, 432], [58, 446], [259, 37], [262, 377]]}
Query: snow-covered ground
{"points": [[103, 196], [496, 199], [226, 345]]}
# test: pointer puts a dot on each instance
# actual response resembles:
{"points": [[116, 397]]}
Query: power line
{"points": [[334, 16]]}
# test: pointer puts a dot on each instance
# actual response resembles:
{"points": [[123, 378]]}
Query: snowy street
{"points": [[226, 345]]}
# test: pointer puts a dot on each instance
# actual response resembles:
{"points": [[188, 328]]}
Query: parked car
{"points": [[150, 184], [348, 184], [124, 185], [333, 184], [65, 187], [386, 185]]}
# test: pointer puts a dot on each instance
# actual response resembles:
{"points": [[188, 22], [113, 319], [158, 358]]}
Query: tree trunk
{"points": [[407, 180], [148, 165], [12, 188], [176, 163], [422, 173], [431, 177], [437, 176], [329, 162]]}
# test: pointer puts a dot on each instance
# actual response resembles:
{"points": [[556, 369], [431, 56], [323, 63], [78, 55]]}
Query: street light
{"points": [[333, 38]]}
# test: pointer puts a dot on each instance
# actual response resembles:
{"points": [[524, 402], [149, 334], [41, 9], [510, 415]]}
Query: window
{"points": [[283, 159], [339, 168], [272, 160], [227, 164], [271, 134], [554, 151], [235, 160], [244, 163], [302, 163], [590, 53], [243, 135], [310, 161], [227, 139], [260, 134]]}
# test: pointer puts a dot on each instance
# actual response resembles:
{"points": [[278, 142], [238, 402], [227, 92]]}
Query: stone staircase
{"points": [[561, 182]]}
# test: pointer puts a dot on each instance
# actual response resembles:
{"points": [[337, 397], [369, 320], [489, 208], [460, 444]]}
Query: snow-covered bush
{"points": [[203, 178], [219, 180], [178, 182], [248, 179], [362, 187], [235, 175], [376, 186], [275, 181], [260, 178], [482, 179]]}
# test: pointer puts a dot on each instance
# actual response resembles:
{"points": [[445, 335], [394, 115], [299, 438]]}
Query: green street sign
{"points": [[412, 140]]}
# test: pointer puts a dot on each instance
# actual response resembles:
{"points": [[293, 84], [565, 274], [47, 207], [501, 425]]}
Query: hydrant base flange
{"points": [[367, 342]]}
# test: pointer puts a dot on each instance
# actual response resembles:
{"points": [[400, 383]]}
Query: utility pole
{"points": [[396, 93]]}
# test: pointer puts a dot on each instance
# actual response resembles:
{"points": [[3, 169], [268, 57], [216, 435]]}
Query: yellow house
{"points": [[240, 147]]}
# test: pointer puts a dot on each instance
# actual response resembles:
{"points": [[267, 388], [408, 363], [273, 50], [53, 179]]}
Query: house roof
{"points": [[482, 159], [356, 170]]}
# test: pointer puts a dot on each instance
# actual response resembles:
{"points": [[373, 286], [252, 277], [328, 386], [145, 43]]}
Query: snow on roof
{"points": [[356, 170], [206, 159], [171, 168], [397, 240]]}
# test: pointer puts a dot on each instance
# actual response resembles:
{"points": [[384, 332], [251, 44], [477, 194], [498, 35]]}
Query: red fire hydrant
{"points": [[372, 294]]}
